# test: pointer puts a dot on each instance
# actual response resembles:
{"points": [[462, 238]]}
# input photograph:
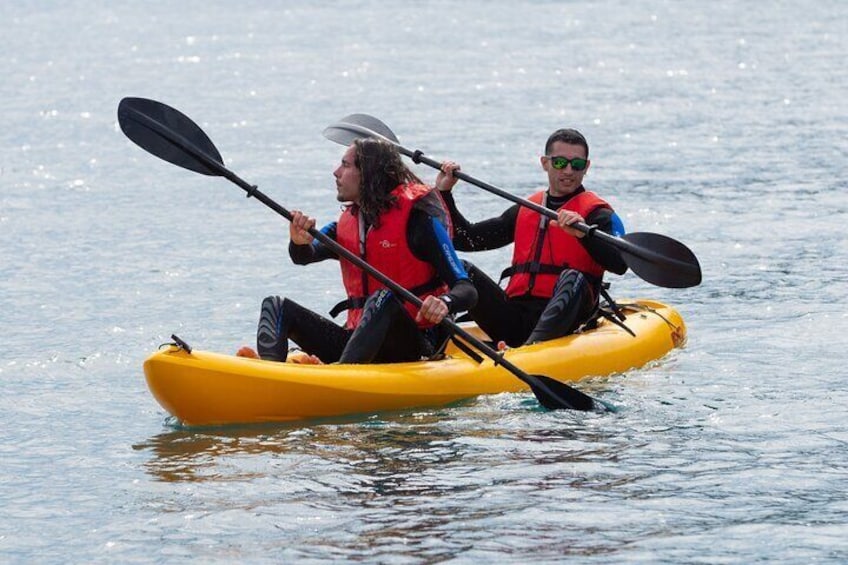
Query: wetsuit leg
{"points": [[501, 317], [386, 333], [572, 303], [282, 319]]}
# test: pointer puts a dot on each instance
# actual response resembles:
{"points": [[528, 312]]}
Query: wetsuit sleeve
{"points": [[315, 251], [602, 252], [429, 241], [493, 233]]}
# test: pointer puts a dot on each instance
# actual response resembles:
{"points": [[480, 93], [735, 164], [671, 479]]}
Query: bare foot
{"points": [[246, 351], [306, 359]]}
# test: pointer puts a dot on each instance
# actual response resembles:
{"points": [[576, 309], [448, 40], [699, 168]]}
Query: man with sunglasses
{"points": [[556, 273]]}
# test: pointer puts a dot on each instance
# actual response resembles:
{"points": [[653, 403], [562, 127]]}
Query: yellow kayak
{"points": [[203, 388]]}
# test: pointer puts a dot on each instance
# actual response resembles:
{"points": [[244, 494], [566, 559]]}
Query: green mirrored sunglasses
{"points": [[577, 163]]}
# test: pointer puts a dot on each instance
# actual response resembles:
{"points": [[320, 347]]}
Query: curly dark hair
{"points": [[381, 169]]}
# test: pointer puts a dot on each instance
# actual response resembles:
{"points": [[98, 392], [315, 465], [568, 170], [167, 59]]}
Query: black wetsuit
{"points": [[527, 319], [386, 332]]}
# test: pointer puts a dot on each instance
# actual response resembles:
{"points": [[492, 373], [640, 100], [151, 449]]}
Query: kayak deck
{"points": [[205, 388]]}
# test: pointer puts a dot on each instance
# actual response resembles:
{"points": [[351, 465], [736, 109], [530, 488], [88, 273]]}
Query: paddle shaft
{"points": [[418, 156], [655, 258], [623, 245], [253, 191]]}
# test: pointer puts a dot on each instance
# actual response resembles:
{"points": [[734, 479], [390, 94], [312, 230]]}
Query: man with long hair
{"points": [[400, 227]]}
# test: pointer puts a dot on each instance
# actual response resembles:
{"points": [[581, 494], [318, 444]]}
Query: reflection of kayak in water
{"points": [[204, 388]]}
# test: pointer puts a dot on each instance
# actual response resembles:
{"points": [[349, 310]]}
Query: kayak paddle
{"points": [[171, 135], [656, 258]]}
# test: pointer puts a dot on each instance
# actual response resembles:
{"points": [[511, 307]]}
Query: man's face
{"points": [[348, 177], [566, 180]]}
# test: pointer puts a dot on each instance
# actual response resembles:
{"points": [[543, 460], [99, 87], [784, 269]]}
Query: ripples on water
{"points": [[716, 125]]}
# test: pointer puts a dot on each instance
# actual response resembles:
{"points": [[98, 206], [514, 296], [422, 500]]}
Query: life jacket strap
{"points": [[356, 302]]}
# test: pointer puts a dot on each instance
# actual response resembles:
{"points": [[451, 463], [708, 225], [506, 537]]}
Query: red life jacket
{"points": [[542, 253], [387, 250]]}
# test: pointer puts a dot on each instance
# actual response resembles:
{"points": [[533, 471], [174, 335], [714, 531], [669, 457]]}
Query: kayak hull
{"points": [[205, 388]]}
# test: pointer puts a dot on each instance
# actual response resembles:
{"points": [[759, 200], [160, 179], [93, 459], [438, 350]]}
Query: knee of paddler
{"points": [[380, 300], [470, 268]]}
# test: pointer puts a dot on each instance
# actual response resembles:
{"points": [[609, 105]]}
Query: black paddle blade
{"points": [[661, 260], [357, 126], [555, 395], [169, 134]]}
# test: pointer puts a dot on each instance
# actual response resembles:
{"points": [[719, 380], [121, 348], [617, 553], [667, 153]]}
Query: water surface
{"points": [[721, 125]]}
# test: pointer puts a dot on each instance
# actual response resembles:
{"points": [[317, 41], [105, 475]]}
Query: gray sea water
{"points": [[721, 124]]}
